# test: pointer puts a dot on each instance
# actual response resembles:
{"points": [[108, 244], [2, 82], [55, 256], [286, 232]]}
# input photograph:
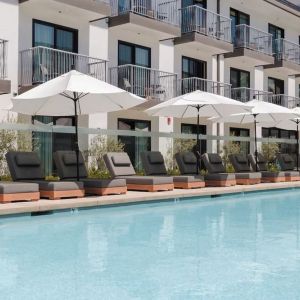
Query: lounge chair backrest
{"points": [[153, 163], [239, 162], [118, 164], [65, 162], [213, 163], [24, 165], [286, 162], [261, 162], [187, 162]]}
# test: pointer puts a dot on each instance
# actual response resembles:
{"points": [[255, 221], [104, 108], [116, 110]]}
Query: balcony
{"points": [[159, 16], [40, 64], [203, 26], [191, 84], [285, 100], [245, 94], [154, 85], [252, 43], [5, 85], [287, 56]]}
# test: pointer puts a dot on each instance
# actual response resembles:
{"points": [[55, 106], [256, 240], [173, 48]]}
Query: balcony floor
{"points": [[287, 67], [214, 46], [139, 23]]}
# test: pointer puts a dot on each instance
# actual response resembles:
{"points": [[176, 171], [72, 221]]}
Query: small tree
{"points": [[100, 145], [270, 151], [230, 147]]}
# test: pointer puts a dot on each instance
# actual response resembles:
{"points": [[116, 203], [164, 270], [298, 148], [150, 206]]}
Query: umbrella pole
{"points": [[198, 140], [255, 141], [297, 145], [76, 136]]}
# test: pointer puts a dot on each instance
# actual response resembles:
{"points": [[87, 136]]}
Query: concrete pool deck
{"points": [[135, 197]]}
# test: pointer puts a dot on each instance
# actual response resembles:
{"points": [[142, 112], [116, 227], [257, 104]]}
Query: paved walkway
{"points": [[135, 197]]}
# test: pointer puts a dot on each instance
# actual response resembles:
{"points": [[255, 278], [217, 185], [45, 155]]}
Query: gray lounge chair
{"points": [[120, 166], [18, 191], [217, 175], [266, 176], [243, 173], [154, 164], [287, 165], [66, 163], [187, 164], [26, 167]]}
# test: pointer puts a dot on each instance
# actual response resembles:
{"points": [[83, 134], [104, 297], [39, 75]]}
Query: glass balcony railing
{"points": [[286, 50], [166, 11], [40, 64], [252, 38], [285, 100], [245, 94], [200, 20], [144, 82], [188, 85], [3, 59]]}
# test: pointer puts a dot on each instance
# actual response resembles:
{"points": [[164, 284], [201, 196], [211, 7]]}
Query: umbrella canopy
{"points": [[56, 97], [211, 105], [201, 105], [265, 113], [74, 94]]}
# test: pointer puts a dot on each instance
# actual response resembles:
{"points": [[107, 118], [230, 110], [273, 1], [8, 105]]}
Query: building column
{"points": [[291, 86]]}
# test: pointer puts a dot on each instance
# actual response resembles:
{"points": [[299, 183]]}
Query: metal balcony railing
{"points": [[285, 100], [40, 64], [144, 82], [286, 50], [252, 38], [3, 59], [191, 84], [162, 10], [245, 94], [200, 20]]}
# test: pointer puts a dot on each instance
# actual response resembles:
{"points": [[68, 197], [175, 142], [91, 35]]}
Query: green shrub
{"points": [[270, 151]]}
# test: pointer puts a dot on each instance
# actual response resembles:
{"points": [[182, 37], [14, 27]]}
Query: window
{"points": [[241, 132], [282, 134], [275, 86], [135, 145], [200, 3], [192, 129], [134, 55], [237, 18], [277, 33], [193, 68], [239, 78]]}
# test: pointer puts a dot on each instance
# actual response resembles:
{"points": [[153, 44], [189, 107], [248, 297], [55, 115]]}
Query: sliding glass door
{"points": [[238, 18]]}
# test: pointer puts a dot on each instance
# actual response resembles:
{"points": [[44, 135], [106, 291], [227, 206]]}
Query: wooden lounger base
{"points": [[189, 185], [248, 181], [118, 190], [151, 188], [6, 198], [292, 178], [273, 179], [56, 195], [220, 183]]}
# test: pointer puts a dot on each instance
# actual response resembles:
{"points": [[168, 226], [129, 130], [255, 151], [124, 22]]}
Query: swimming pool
{"points": [[232, 247]]}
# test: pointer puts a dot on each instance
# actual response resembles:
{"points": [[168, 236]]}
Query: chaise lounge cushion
{"points": [[188, 179], [118, 164], [189, 158], [187, 163], [248, 175], [70, 159], [153, 163], [121, 160], [59, 185], [103, 183], [286, 162], [239, 163], [156, 158], [219, 176], [29, 159], [148, 180], [267, 174], [213, 163], [261, 162], [18, 187], [215, 158], [291, 173]]}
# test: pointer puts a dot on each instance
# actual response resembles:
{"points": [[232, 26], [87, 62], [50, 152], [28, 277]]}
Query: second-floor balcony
{"points": [[40, 64], [148, 83], [245, 94], [4, 83], [191, 84], [206, 28], [286, 50], [285, 100]]}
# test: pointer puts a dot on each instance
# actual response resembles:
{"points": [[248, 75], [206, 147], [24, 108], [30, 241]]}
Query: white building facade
{"points": [[157, 50]]}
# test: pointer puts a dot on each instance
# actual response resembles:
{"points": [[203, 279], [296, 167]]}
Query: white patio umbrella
{"points": [[198, 104], [266, 113], [74, 94], [291, 124]]}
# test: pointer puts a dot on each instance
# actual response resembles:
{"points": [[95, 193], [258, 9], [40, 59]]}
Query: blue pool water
{"points": [[236, 247]]}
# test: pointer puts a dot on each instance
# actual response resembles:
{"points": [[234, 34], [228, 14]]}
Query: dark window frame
{"points": [[277, 27], [133, 58], [244, 71], [238, 13], [197, 61], [276, 79], [56, 26]]}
